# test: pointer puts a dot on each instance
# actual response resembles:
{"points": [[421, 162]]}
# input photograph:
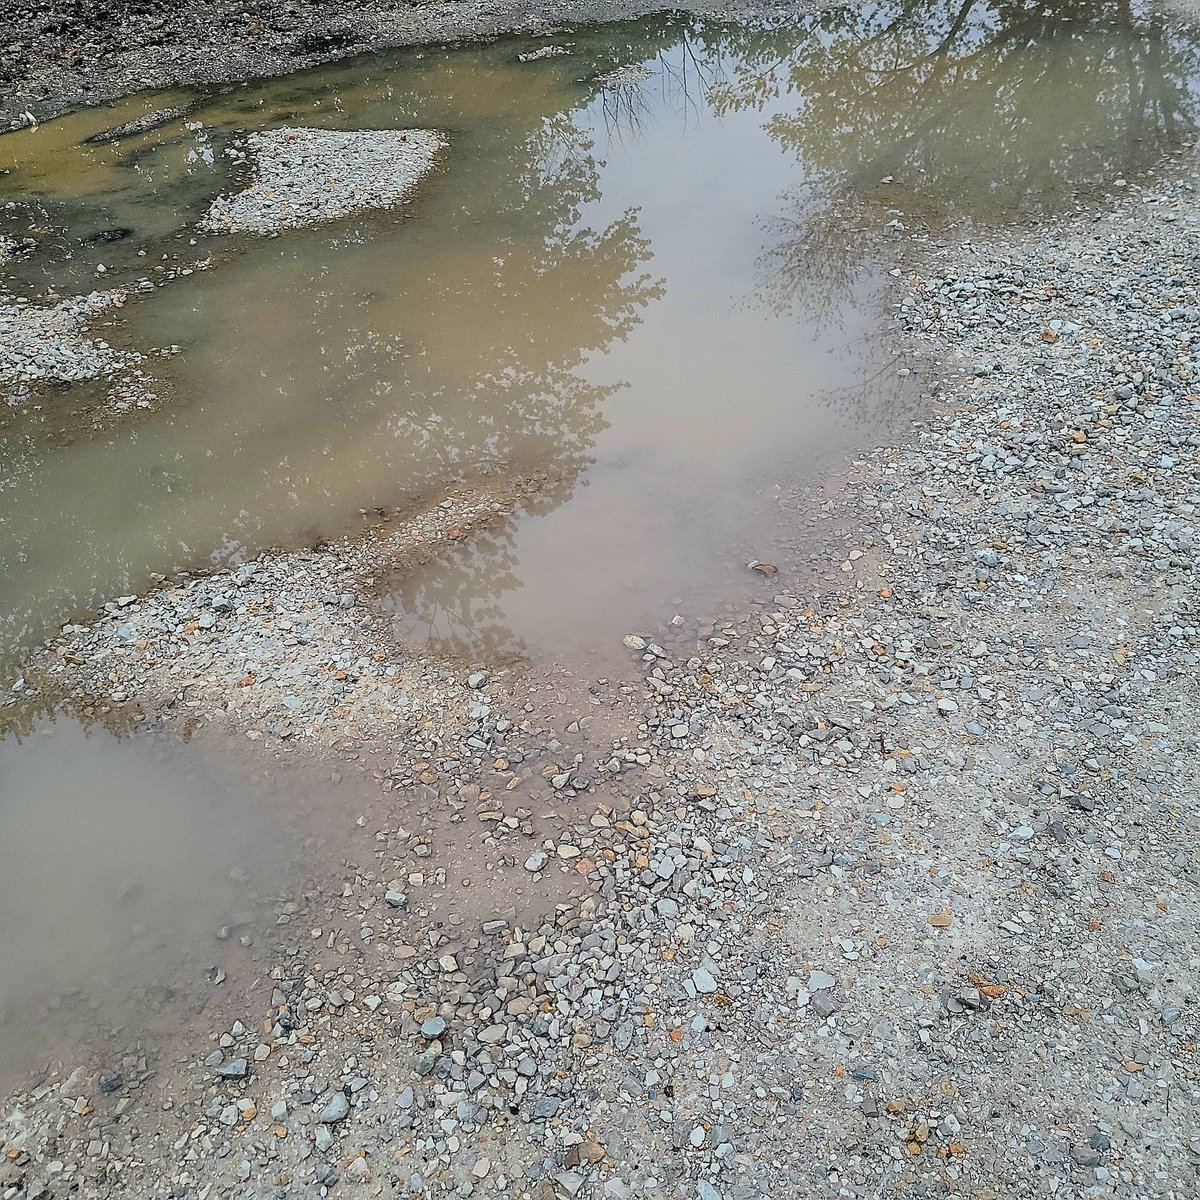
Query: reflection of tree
{"points": [[452, 604], [403, 363], [975, 107], [534, 408], [819, 256], [933, 109], [43, 701], [958, 104], [408, 361]]}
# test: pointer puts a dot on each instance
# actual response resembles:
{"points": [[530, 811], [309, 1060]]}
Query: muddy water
{"points": [[664, 294], [149, 885], [137, 874], [667, 292]]}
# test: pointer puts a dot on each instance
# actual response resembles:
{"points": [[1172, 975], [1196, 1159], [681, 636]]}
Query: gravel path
{"points": [[888, 889]]}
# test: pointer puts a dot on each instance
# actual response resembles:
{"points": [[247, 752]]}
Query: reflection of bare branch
{"points": [[685, 76], [623, 108], [938, 109], [687, 85]]}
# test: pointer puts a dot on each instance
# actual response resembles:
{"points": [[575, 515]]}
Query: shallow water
{"points": [[666, 292], [133, 870], [149, 883]]}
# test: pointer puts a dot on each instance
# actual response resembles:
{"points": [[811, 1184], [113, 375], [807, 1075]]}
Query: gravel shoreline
{"points": [[40, 343], [888, 888], [59, 56]]}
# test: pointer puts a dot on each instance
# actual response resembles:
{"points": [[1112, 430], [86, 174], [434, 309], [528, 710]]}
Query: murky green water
{"points": [[667, 291]]}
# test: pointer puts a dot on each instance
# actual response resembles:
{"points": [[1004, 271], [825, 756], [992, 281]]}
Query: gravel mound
{"points": [[304, 176], [624, 78], [153, 120], [50, 342]]}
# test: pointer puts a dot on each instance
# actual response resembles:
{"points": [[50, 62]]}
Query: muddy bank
{"points": [[255, 643], [56, 56]]}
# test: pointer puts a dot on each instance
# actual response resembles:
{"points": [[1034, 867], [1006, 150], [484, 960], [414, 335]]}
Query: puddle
{"points": [[148, 882], [668, 292], [131, 870]]}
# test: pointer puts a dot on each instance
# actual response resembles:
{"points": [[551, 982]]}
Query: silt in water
{"points": [[663, 290]]}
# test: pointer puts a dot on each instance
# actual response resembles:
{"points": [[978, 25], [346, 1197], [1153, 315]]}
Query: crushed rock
{"points": [[304, 176], [50, 342]]}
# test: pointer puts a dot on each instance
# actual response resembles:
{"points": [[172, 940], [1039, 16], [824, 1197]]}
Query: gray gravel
{"points": [[51, 342], [304, 176], [53, 339], [891, 889]]}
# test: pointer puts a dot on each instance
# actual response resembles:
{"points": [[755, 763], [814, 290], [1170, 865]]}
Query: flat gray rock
{"points": [[338, 1109], [236, 1068]]}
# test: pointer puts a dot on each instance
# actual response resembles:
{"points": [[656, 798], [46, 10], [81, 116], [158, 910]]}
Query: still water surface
{"points": [[665, 290], [137, 871]]}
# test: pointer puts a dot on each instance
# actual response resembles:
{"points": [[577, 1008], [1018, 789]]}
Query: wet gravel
{"points": [[50, 342], [56, 340], [886, 888], [304, 176]]}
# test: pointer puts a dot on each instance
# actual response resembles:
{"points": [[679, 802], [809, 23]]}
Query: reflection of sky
{"points": [[706, 358], [722, 396]]}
